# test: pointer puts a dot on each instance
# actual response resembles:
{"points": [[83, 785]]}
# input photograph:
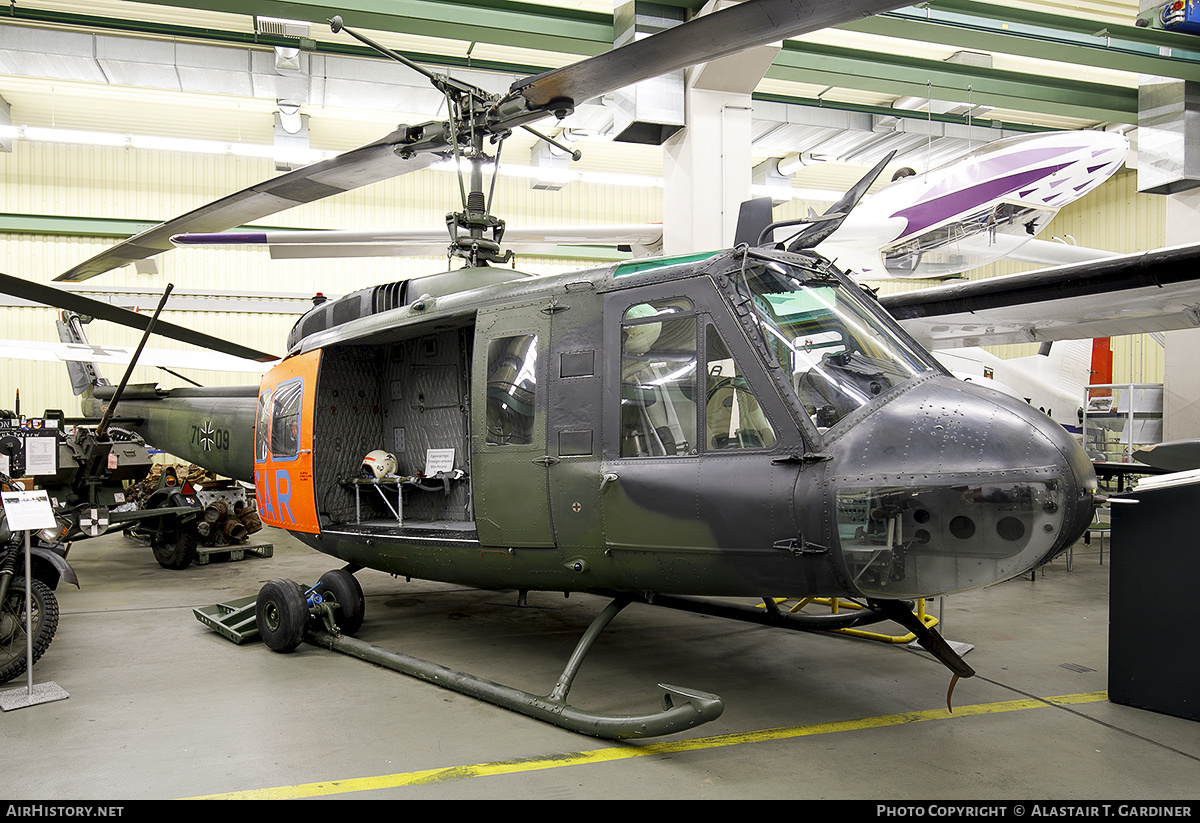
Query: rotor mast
{"points": [[470, 228], [475, 117]]}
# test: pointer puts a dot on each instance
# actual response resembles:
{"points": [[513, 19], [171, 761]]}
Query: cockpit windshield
{"points": [[840, 355]]}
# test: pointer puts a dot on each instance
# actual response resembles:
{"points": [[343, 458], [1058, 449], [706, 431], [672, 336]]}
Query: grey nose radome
{"points": [[950, 487]]}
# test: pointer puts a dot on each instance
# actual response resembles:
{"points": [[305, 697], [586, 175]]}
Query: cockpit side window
{"points": [[733, 418], [668, 407], [658, 379]]}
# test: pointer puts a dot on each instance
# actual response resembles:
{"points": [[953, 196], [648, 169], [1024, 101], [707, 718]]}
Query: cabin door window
{"points": [[511, 390], [262, 427], [285, 420]]}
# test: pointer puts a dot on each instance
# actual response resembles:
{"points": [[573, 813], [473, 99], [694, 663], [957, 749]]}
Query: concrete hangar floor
{"points": [[160, 706]]}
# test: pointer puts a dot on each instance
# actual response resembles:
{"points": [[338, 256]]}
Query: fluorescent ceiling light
{"points": [[71, 136], [154, 143], [823, 195]]}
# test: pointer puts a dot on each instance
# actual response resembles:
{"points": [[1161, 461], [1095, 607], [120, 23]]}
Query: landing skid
{"points": [[284, 615], [328, 614], [682, 709], [876, 611]]}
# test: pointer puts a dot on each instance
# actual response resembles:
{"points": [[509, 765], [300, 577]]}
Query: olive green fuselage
{"points": [[631, 428]]}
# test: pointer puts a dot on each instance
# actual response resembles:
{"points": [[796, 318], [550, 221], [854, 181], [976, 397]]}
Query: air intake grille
{"points": [[389, 296], [295, 29]]}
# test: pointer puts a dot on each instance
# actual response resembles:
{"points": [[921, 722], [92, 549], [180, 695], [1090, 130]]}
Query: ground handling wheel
{"points": [[342, 588], [281, 614]]}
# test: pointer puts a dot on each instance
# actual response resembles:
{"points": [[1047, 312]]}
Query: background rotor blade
{"points": [[709, 37], [1136, 293], [46, 352], [63, 299], [359, 167]]}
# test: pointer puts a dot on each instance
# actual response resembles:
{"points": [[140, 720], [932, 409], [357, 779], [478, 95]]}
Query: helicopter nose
{"points": [[952, 486]]}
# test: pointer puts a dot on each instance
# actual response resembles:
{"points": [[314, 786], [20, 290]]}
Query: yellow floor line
{"points": [[624, 752]]}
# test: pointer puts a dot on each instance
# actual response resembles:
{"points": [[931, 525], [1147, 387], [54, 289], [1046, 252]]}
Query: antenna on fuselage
{"points": [[102, 427]]}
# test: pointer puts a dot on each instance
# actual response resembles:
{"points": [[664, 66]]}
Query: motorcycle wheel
{"points": [[13, 629]]}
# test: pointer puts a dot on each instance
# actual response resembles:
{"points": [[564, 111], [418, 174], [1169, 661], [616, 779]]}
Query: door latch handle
{"points": [[807, 457]]}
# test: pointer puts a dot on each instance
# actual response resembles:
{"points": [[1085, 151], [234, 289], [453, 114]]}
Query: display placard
{"points": [[438, 460], [41, 455], [28, 511]]}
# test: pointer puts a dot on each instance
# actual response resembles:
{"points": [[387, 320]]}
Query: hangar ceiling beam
{"points": [[975, 26], [961, 24], [849, 68], [966, 24], [567, 31]]}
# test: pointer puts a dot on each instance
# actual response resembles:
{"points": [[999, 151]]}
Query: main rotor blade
{"points": [[63, 299], [47, 352], [359, 167], [709, 37], [638, 233]]}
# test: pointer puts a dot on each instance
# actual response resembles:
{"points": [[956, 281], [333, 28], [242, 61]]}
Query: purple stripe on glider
{"points": [[931, 212]]}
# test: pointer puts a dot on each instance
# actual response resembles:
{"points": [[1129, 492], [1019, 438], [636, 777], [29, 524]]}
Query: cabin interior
{"points": [[405, 397]]}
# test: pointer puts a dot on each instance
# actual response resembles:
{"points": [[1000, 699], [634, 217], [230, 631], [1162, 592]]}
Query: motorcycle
{"points": [[48, 559]]}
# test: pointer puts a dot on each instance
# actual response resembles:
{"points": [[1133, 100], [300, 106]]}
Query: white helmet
{"points": [[378, 464]]}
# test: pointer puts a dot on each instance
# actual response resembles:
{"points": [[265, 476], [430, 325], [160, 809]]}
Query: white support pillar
{"points": [[1181, 379], [707, 165], [706, 173]]}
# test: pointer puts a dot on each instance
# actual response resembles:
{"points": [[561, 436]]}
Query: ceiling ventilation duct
{"points": [[1168, 133], [549, 167], [652, 110]]}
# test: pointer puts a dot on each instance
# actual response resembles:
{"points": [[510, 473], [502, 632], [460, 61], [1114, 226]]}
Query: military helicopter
{"points": [[746, 423]]}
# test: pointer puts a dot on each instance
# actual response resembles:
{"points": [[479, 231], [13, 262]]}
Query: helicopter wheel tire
{"points": [[176, 549], [281, 614], [13, 628], [343, 588]]}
